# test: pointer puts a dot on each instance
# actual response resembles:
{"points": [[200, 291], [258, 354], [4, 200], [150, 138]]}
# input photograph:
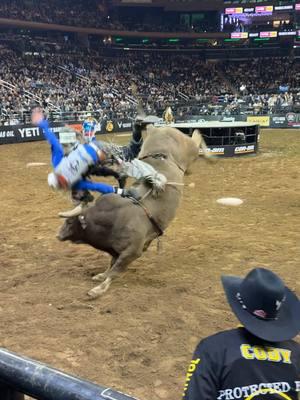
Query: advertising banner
{"points": [[113, 126], [239, 35], [232, 150], [234, 10], [262, 120], [289, 120], [271, 34], [264, 9], [26, 133], [31, 133], [293, 120]]}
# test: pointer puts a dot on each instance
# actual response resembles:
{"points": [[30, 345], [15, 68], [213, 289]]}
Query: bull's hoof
{"points": [[93, 294], [99, 290], [99, 277]]}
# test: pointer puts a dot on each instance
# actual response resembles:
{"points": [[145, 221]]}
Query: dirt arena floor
{"points": [[139, 337]]}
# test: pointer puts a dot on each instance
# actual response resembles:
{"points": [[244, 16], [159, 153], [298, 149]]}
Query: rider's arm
{"points": [[94, 186], [56, 148]]}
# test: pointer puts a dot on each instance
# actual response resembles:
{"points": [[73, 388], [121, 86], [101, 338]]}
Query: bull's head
{"points": [[72, 229]]}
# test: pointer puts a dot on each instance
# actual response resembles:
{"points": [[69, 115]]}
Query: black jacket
{"points": [[236, 365]]}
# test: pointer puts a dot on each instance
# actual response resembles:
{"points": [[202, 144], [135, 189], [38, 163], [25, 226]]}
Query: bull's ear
{"points": [[82, 221]]}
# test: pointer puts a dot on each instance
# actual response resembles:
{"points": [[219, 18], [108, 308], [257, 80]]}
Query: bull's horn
{"points": [[72, 213]]}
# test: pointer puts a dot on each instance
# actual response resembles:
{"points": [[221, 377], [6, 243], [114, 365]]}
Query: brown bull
{"points": [[123, 229]]}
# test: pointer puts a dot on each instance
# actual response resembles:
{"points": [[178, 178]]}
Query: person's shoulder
{"points": [[291, 345], [221, 339]]}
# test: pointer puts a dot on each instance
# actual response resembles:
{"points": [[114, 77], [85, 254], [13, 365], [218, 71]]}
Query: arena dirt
{"points": [[139, 337]]}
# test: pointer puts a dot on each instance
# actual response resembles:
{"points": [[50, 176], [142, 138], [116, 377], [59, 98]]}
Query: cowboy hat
{"points": [[264, 305]]}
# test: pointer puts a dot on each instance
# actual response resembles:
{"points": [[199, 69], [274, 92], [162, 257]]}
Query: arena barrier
{"points": [[29, 133], [283, 121], [225, 139], [21, 375]]}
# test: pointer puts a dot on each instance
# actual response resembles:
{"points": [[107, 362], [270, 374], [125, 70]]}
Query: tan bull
{"points": [[124, 229]]}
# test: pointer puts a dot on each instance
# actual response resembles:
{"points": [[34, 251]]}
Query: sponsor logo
{"points": [[239, 35], [278, 120], [263, 9], [214, 150], [234, 10], [270, 34], [109, 126], [259, 119], [228, 119], [124, 125], [259, 353], [292, 33], [6, 134], [260, 313], [244, 149], [279, 8], [29, 132], [293, 119]]}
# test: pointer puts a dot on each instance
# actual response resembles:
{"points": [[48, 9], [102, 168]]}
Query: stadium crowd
{"points": [[72, 83]]}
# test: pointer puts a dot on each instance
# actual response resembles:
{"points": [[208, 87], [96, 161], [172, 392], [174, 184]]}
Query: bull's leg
{"points": [[103, 275], [121, 264]]}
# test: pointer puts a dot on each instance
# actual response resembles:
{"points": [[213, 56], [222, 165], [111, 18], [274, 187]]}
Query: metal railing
{"points": [[20, 375]]}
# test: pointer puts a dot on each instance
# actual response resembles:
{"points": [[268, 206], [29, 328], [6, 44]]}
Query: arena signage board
{"points": [[26, 133], [291, 33], [271, 34], [264, 9], [283, 8], [234, 10], [245, 149], [232, 150], [30, 133], [293, 120], [20, 133], [239, 35], [262, 120], [112, 126], [297, 7], [278, 121]]}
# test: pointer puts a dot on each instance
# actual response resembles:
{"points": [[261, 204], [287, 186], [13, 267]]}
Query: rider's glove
{"points": [[130, 192]]}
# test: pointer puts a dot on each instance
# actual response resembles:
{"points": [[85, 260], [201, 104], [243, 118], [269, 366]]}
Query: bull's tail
{"points": [[200, 142]]}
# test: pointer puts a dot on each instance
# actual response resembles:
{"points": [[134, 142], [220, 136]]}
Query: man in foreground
{"points": [[258, 360]]}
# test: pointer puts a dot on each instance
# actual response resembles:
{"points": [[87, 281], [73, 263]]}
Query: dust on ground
{"points": [[139, 337]]}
